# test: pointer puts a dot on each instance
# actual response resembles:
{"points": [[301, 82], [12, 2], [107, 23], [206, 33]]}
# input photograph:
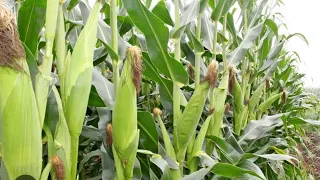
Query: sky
{"points": [[303, 17]]}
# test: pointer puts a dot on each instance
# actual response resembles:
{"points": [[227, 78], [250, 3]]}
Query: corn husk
{"points": [[124, 121], [20, 131], [188, 121]]}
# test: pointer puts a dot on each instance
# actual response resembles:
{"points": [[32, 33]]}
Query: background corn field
{"points": [[150, 89]]}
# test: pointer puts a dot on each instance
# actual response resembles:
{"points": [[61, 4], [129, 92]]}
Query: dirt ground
{"points": [[312, 162]]}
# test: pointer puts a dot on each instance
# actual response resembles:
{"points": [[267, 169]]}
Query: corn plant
{"points": [[146, 89]]}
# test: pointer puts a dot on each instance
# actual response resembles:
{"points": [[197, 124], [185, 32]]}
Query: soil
{"points": [[312, 162]]}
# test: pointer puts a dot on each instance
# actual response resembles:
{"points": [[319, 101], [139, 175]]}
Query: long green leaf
{"points": [[30, 22], [231, 171], [157, 37], [235, 57]]}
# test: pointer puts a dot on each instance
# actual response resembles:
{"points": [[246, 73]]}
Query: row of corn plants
{"points": [[153, 89]]}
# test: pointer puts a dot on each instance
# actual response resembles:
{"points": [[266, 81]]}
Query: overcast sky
{"points": [[303, 17]]}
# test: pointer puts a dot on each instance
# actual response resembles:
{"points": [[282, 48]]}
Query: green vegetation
{"points": [[152, 89]]}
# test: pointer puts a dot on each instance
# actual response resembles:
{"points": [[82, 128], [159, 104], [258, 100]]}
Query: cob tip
{"points": [[109, 134], [190, 71], [11, 50], [284, 96], [211, 110], [135, 54], [212, 74], [227, 108], [157, 112], [232, 72], [267, 83], [58, 167]]}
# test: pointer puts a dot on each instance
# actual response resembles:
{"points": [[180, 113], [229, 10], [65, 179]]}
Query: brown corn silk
{"points": [[11, 50], [136, 64], [58, 167]]}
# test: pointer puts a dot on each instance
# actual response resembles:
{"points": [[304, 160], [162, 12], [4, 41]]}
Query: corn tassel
{"points": [[76, 82], [20, 130], [125, 132]]}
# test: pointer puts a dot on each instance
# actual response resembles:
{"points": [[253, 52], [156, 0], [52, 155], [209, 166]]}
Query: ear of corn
{"points": [[218, 97], [76, 82], [20, 133], [124, 120], [78, 74], [188, 121], [254, 100], [237, 105], [60, 42], [243, 118], [265, 105], [20, 130], [58, 167]]}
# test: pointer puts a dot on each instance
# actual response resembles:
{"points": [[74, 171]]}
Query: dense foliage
{"points": [[217, 95]]}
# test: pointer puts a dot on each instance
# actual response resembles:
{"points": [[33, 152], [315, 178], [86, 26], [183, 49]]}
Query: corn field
{"points": [[149, 89]]}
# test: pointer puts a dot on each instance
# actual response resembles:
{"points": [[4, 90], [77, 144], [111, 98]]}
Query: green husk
{"points": [[76, 82], [188, 121], [125, 132], [218, 98], [237, 106], [20, 129]]}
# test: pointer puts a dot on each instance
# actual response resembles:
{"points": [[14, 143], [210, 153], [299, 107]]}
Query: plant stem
{"points": [[114, 39], [176, 89], [214, 52], [224, 46], [196, 80], [50, 31], [177, 56], [245, 62], [44, 79], [74, 156], [209, 147], [198, 54]]}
